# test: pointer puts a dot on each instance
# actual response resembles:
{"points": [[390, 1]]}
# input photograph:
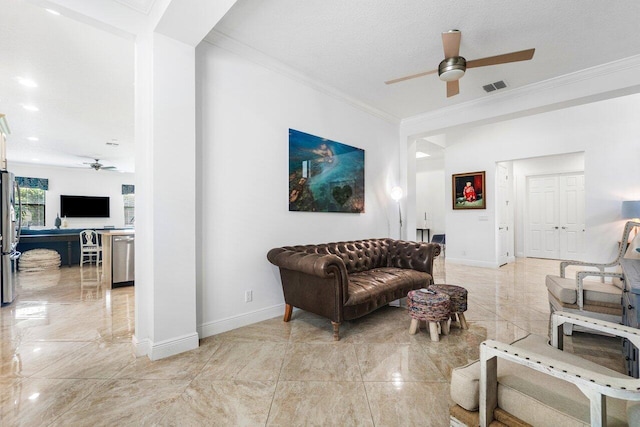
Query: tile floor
{"points": [[65, 358]]}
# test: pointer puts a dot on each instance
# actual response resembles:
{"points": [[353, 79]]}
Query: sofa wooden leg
{"points": [[336, 331], [288, 309], [415, 325]]}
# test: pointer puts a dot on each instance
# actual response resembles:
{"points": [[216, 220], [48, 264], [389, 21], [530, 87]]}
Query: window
{"points": [[129, 208], [33, 206]]}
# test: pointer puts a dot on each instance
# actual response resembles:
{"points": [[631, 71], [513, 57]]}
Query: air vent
{"points": [[494, 86]]}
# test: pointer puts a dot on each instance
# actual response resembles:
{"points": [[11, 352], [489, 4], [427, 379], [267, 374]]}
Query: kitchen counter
{"points": [[107, 252]]}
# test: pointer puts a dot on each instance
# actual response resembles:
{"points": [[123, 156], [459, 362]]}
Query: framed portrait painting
{"points": [[468, 190]]}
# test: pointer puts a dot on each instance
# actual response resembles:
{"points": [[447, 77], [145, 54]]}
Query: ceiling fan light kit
{"points": [[452, 69], [99, 166]]}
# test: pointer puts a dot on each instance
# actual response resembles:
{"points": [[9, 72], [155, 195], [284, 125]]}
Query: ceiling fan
{"points": [[453, 67], [98, 166]]}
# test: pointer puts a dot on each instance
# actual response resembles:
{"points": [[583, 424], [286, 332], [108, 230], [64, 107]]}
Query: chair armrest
{"points": [[559, 318], [580, 275], [599, 266], [594, 385], [321, 265]]}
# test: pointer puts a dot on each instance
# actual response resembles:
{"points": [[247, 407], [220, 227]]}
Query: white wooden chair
{"points": [[596, 384], [90, 248], [597, 299]]}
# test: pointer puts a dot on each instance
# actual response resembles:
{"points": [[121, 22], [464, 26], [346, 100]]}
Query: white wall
{"points": [[606, 131], [79, 182], [245, 112], [430, 195]]}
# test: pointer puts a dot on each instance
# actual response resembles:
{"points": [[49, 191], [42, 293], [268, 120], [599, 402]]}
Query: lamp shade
{"points": [[631, 209]]}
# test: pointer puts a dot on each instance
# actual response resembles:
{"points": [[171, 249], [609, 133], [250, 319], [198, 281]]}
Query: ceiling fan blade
{"points": [[453, 88], [413, 76], [108, 167], [451, 43], [522, 55]]}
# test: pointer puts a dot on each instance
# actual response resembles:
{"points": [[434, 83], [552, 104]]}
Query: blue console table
{"points": [[65, 241]]}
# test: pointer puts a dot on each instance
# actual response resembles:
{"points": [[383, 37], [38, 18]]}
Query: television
{"points": [[84, 207]]}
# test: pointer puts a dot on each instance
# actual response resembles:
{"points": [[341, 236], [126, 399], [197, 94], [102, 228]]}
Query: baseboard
{"points": [[173, 346], [472, 263], [140, 348], [223, 325]]}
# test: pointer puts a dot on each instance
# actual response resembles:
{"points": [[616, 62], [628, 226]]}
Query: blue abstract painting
{"points": [[324, 175]]}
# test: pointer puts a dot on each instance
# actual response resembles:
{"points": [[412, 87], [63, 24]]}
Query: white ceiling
{"points": [[85, 89], [86, 75], [354, 46]]}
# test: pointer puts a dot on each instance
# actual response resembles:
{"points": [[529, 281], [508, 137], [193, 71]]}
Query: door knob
{"points": [[555, 228], [564, 228]]}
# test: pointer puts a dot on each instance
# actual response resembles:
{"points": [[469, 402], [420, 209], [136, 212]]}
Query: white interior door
{"points": [[555, 225], [571, 216], [542, 227], [502, 201]]}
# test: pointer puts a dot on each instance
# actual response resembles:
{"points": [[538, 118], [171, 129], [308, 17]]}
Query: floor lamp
{"points": [[396, 194]]}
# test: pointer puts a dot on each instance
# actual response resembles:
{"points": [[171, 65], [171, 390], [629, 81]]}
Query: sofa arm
{"points": [[320, 265], [413, 255]]}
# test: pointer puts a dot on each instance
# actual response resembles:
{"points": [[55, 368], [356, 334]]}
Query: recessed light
{"points": [[53, 12], [33, 138], [421, 155], [26, 82], [30, 107]]}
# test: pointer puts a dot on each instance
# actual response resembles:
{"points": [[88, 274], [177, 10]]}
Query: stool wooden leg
{"points": [[444, 325], [463, 321], [433, 331], [415, 326]]}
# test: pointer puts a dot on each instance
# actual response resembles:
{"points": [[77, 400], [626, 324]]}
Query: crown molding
{"points": [[142, 6], [229, 44], [622, 76]]}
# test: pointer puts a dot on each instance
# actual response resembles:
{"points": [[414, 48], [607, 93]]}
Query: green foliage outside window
{"points": [[33, 206]]}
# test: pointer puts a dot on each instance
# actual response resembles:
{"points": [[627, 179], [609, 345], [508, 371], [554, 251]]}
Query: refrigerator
{"points": [[9, 235]]}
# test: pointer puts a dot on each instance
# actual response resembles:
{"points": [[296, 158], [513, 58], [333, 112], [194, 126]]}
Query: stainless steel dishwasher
{"points": [[123, 261]]}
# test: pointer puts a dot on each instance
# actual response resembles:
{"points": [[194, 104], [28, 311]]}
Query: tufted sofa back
{"points": [[359, 255]]}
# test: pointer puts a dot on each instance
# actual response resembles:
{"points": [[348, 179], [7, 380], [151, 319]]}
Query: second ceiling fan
{"points": [[453, 67]]}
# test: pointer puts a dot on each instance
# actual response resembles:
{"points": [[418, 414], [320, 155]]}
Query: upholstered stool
{"points": [[458, 296], [433, 308]]}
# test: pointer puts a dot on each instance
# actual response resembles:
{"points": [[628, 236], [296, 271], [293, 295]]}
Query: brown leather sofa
{"points": [[346, 280]]}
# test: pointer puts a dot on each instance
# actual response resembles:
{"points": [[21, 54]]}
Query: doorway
{"points": [[555, 222]]}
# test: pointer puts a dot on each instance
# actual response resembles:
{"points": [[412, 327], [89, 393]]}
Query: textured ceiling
{"points": [[354, 46], [84, 95], [86, 76]]}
